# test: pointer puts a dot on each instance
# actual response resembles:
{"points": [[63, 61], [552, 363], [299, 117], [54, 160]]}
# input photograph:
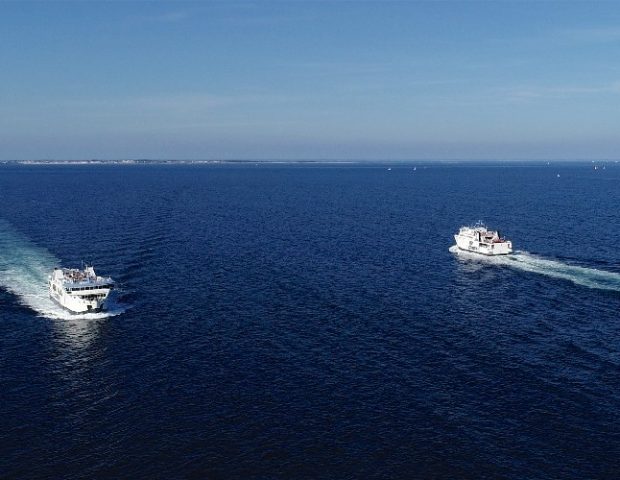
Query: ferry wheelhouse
{"points": [[479, 239], [79, 291]]}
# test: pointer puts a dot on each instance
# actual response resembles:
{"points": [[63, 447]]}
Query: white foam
{"points": [[585, 276], [24, 268]]}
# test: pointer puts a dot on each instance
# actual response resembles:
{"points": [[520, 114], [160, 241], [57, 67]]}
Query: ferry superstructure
{"points": [[79, 291], [479, 239]]}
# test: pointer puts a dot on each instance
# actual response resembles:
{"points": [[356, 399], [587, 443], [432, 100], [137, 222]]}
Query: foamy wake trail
{"points": [[24, 268], [585, 276]]}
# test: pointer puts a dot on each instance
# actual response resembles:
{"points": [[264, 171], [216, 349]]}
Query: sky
{"points": [[341, 80]]}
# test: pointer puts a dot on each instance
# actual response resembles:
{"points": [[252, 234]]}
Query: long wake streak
{"points": [[585, 276], [24, 268]]}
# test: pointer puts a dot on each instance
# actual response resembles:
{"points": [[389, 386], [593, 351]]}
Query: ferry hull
{"points": [[79, 310], [469, 244], [75, 304]]}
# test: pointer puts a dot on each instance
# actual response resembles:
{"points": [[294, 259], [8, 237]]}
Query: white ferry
{"points": [[479, 239], [79, 291]]}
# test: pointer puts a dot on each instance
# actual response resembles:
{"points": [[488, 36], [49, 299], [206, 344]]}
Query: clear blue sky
{"points": [[312, 80]]}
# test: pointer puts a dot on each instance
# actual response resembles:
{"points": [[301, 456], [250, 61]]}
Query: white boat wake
{"points": [[24, 268], [585, 276]]}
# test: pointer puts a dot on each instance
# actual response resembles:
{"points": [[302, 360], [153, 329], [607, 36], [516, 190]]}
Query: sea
{"points": [[311, 321]]}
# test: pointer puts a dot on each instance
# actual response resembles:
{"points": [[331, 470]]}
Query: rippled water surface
{"points": [[311, 322]]}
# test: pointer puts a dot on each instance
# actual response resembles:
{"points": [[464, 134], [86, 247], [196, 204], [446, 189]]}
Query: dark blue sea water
{"points": [[310, 322]]}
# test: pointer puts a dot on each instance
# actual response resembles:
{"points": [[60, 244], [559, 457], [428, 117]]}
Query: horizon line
{"points": [[308, 160]]}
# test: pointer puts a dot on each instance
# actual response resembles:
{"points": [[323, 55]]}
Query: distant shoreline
{"points": [[417, 162]]}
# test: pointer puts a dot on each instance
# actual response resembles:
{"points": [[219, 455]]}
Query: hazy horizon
{"points": [[412, 161]]}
